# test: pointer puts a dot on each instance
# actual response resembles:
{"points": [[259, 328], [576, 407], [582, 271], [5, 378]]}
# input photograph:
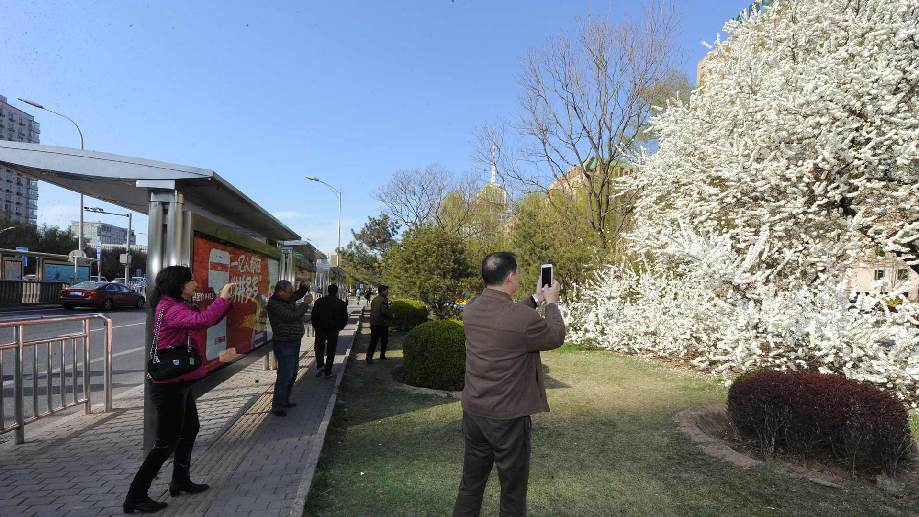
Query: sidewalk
{"points": [[256, 463]]}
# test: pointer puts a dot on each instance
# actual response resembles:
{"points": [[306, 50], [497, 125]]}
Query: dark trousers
{"points": [[288, 355], [326, 344], [378, 333], [176, 428], [504, 443]]}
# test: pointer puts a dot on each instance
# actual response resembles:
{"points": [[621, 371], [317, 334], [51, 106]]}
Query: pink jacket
{"points": [[180, 320]]}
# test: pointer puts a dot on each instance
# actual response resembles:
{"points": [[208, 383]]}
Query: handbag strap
{"points": [[156, 335]]}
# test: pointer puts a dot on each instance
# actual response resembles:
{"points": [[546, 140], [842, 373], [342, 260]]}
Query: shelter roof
{"points": [[125, 181]]}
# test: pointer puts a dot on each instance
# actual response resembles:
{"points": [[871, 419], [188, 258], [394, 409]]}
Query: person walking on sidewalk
{"points": [[380, 318], [329, 317], [176, 414], [367, 296], [286, 317], [504, 384]]}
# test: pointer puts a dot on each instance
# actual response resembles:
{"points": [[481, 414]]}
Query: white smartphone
{"points": [[547, 275]]}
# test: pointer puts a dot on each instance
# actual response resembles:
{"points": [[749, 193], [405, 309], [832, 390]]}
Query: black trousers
{"points": [[378, 333], [504, 443], [176, 428], [325, 346]]}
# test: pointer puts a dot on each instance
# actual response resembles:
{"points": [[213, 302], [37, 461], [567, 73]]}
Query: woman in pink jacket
{"points": [[176, 414]]}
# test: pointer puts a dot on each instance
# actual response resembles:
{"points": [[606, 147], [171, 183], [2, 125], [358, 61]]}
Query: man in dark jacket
{"points": [[504, 383], [286, 318], [329, 317], [380, 318]]}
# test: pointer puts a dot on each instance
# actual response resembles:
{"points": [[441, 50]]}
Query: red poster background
{"points": [[245, 326]]}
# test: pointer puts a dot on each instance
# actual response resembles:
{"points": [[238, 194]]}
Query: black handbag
{"points": [[173, 361]]}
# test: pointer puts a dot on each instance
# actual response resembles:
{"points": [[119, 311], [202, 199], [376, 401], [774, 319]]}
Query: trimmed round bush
{"points": [[408, 314], [435, 355], [822, 415]]}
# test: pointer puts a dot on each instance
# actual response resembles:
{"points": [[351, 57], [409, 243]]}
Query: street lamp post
{"points": [[127, 262], [80, 234], [337, 192]]}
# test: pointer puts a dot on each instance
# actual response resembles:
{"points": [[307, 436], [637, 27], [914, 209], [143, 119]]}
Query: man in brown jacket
{"points": [[504, 383], [380, 318]]}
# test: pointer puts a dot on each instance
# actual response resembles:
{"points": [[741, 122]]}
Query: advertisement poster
{"points": [[245, 326], [63, 272]]}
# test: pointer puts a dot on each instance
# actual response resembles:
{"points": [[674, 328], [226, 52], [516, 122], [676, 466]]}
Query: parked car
{"points": [[30, 278], [98, 279], [106, 295], [118, 280]]}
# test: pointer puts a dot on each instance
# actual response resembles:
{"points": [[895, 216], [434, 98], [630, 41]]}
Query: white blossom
{"points": [[796, 156]]}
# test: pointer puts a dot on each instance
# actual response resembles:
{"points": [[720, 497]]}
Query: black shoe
{"points": [[290, 404], [328, 374], [177, 487], [319, 372], [382, 358], [278, 412], [369, 361], [144, 505]]}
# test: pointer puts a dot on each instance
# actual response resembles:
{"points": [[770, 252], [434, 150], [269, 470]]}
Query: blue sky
{"points": [[268, 93]]}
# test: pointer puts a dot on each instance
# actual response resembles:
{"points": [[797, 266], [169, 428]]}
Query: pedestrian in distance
{"points": [[329, 317], [285, 313], [503, 383], [178, 322], [367, 296], [380, 318]]}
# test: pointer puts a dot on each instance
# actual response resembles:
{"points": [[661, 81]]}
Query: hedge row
{"points": [[822, 416]]}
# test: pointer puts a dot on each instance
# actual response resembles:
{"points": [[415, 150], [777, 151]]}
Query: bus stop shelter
{"points": [[195, 218]]}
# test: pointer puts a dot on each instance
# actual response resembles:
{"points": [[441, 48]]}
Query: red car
{"points": [[106, 295]]}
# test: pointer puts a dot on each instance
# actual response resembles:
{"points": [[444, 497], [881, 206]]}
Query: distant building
{"points": [[578, 176], [885, 274], [18, 192], [109, 233]]}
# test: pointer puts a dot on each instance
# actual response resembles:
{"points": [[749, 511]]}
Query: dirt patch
{"points": [[711, 429], [398, 378]]}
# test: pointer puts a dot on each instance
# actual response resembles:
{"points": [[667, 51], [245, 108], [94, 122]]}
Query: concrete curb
{"points": [[318, 442]]}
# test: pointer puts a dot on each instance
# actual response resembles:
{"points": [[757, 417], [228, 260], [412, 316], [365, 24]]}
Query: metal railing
{"points": [[19, 345]]}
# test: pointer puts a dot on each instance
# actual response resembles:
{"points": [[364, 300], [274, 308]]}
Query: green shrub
{"points": [[435, 355], [408, 314]]}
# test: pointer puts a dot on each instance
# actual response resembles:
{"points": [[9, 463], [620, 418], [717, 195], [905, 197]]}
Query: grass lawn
{"points": [[609, 447]]}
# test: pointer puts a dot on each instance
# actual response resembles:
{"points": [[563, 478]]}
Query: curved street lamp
{"points": [[80, 131], [338, 193]]}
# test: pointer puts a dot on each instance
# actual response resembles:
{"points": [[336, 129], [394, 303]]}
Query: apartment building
{"points": [[108, 233], [18, 192]]}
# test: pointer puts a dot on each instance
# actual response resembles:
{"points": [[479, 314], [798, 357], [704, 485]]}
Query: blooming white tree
{"points": [[796, 156]]}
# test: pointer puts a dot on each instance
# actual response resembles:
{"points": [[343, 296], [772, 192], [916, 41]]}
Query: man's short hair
{"points": [[382, 288], [282, 285], [333, 289], [497, 266]]}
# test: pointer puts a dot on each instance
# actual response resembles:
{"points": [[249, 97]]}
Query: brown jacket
{"points": [[504, 377], [380, 311]]}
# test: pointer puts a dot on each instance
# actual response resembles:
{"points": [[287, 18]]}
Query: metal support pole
{"points": [[108, 363], [48, 377], [35, 380], [338, 249], [87, 369], [18, 410], [155, 260], [127, 261], [174, 230]]}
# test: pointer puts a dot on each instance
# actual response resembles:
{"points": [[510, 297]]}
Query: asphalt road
{"points": [[128, 334]]}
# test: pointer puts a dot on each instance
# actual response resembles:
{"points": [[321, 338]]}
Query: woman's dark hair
{"points": [[169, 282]]}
